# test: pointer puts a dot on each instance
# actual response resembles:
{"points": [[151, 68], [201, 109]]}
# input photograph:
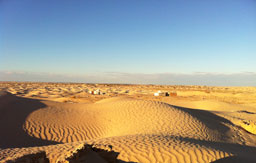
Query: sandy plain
{"points": [[62, 122]]}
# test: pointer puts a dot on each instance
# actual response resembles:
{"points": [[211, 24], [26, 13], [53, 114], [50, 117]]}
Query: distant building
{"points": [[156, 94], [96, 92], [160, 93]]}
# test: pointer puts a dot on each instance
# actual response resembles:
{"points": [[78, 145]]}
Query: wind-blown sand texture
{"points": [[62, 122]]}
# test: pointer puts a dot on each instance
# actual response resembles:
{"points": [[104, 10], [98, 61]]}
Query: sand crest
{"points": [[124, 129]]}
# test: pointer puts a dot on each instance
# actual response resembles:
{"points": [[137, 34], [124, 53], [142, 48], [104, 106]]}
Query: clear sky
{"points": [[81, 38]]}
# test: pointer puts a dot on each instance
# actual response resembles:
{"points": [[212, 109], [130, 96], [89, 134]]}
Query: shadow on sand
{"points": [[234, 159], [211, 120], [32, 158], [241, 153], [92, 154], [13, 113]]}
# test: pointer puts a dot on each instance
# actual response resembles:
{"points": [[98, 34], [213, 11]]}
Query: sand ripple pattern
{"points": [[115, 117], [139, 130], [161, 148]]}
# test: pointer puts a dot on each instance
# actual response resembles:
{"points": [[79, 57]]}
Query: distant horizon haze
{"points": [[197, 78]]}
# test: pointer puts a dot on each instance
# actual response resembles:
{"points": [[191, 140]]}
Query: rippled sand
{"points": [[60, 122]]}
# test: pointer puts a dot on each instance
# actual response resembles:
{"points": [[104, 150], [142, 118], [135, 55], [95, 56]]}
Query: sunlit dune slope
{"points": [[138, 130], [118, 117]]}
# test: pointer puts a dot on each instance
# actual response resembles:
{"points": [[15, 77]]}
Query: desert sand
{"points": [[64, 122]]}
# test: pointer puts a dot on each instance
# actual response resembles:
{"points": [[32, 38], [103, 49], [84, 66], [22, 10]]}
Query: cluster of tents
{"points": [[96, 92], [160, 93]]}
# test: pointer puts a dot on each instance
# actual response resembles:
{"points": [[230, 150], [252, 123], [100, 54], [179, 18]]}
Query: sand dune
{"points": [[13, 113], [124, 129], [116, 117]]}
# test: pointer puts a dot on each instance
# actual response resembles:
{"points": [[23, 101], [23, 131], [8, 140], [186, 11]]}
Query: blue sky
{"points": [[79, 38]]}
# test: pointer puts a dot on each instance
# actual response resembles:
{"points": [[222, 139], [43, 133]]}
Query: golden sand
{"points": [[63, 122]]}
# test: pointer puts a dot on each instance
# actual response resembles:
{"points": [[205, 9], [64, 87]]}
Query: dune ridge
{"points": [[116, 117], [124, 129]]}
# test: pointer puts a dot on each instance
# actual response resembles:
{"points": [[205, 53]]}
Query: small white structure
{"points": [[96, 92], [160, 93], [156, 94], [102, 93]]}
